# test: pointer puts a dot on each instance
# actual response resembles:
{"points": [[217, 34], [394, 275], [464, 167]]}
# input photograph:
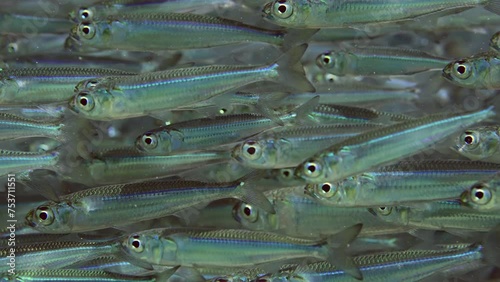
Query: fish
{"points": [[235, 248], [480, 71], [108, 206], [381, 146], [405, 182], [289, 146], [450, 215], [13, 127], [34, 86], [166, 31], [103, 9], [479, 143], [78, 275], [13, 162], [204, 133], [349, 13], [300, 216], [144, 94], [379, 61]]}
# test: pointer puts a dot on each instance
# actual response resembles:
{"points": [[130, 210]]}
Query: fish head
{"points": [[482, 195], [256, 153], [326, 193], [93, 103], [462, 72], [145, 246], [283, 12], [8, 89], [51, 218], [334, 62], [82, 15], [478, 143], [148, 142], [253, 218], [318, 168]]}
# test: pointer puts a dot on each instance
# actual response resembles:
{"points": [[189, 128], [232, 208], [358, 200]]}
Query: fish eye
{"points": [[84, 101], [325, 190], [384, 210], [91, 84], [286, 173], [462, 69], [312, 168], [480, 195], [86, 31], [282, 9], [149, 141], [12, 48], [251, 150], [85, 14], [135, 242], [469, 139], [325, 61], [248, 213], [44, 215]]}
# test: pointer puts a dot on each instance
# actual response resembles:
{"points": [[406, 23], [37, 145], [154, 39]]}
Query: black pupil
{"points": [[148, 140], [468, 139], [311, 168], [83, 101], [136, 244], [251, 150], [43, 215], [325, 188], [326, 60], [282, 9], [223, 110], [382, 208], [461, 69], [247, 211], [86, 30], [479, 195], [85, 15], [286, 173]]}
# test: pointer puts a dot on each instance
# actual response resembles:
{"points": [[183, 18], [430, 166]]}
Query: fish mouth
{"points": [[446, 73]]}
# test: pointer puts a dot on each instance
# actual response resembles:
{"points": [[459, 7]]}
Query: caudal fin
{"points": [[337, 257], [291, 71]]}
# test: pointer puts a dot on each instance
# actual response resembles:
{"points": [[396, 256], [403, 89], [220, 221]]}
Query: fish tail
{"points": [[337, 244], [293, 37], [291, 72], [491, 247], [251, 195], [303, 111], [493, 6]]}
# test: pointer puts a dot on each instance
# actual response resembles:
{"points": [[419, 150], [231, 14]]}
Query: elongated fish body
{"points": [[13, 127], [407, 266], [354, 96], [161, 31], [351, 13], [17, 161], [55, 255], [103, 9], [122, 168], [226, 248], [204, 133], [440, 215], [381, 146], [287, 147], [405, 182], [35, 86], [481, 71], [298, 215], [139, 95], [107, 206], [479, 143], [348, 114], [72, 275], [379, 61]]}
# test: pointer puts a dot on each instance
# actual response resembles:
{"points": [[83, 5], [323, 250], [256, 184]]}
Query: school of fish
{"points": [[250, 140]]}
